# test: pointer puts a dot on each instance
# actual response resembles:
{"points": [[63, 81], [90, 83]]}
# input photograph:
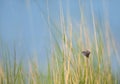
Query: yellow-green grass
{"points": [[69, 66], [66, 64]]}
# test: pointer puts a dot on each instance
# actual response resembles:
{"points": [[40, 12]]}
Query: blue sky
{"points": [[21, 22]]}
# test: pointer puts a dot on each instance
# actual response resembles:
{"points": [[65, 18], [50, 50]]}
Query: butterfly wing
{"points": [[86, 53]]}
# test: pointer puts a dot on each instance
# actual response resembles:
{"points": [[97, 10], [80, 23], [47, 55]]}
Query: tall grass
{"points": [[66, 64]]}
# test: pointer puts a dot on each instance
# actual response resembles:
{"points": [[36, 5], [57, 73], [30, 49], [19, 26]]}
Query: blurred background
{"points": [[23, 23]]}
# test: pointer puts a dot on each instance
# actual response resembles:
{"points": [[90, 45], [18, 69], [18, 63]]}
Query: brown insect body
{"points": [[86, 53]]}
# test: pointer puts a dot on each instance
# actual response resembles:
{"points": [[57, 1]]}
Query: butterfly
{"points": [[86, 53]]}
